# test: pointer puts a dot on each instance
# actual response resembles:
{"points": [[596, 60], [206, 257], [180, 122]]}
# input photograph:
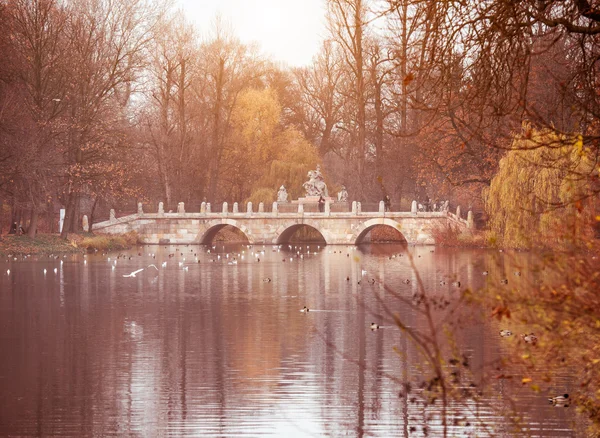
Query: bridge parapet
{"points": [[345, 227]]}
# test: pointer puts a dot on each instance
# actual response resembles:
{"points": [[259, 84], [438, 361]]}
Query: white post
{"points": [[381, 207], [249, 209], [328, 208], [161, 208], [61, 220], [413, 207], [225, 208], [261, 207], [458, 211], [203, 207], [301, 208], [358, 207], [275, 209], [235, 207], [112, 216], [354, 207], [181, 208], [140, 208]]}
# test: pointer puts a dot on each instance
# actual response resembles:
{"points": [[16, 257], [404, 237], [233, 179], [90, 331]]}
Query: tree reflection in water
{"points": [[217, 351]]}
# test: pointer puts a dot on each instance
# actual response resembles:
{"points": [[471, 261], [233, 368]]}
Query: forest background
{"points": [[104, 104]]}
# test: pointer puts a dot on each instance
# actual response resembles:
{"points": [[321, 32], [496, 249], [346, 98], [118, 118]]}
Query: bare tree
{"points": [[347, 21], [228, 67], [169, 116], [108, 42], [321, 85], [38, 48]]}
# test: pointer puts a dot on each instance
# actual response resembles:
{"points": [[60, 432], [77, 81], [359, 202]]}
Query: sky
{"points": [[289, 31]]}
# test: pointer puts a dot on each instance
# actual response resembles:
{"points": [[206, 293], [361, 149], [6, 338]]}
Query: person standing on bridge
{"points": [[321, 204], [387, 202]]}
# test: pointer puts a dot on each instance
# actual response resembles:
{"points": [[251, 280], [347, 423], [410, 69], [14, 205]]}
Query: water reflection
{"points": [[215, 350]]}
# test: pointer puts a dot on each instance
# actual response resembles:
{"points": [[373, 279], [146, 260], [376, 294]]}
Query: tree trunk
{"points": [[76, 218], [68, 215], [216, 136], [50, 217], [19, 218], [32, 230], [93, 210], [13, 218], [360, 91], [378, 126]]}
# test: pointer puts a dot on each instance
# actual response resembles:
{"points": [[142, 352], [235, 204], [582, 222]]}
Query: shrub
{"points": [[108, 243], [450, 235]]}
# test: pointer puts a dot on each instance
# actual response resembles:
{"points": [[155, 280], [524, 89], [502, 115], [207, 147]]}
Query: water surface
{"points": [[212, 348]]}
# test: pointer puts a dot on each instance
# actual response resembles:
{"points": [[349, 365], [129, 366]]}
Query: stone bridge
{"points": [[277, 227]]}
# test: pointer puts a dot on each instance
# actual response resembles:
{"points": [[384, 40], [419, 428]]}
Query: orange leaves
{"points": [[504, 376], [408, 79], [500, 311]]}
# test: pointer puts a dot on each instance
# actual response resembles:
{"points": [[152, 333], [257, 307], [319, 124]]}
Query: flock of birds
{"points": [[232, 259]]}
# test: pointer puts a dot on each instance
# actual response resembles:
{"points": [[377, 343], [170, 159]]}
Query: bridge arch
{"points": [[364, 228], [285, 232], [213, 227]]}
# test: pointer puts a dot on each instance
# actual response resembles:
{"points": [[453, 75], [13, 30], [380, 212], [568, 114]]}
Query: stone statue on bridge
{"points": [[315, 186], [282, 194], [343, 195]]}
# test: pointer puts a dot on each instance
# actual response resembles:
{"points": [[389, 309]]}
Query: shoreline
{"points": [[44, 244]]}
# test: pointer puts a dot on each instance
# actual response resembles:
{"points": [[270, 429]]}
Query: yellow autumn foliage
{"points": [[261, 155]]}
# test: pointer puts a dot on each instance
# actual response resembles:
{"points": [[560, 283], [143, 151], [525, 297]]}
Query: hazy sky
{"points": [[286, 30]]}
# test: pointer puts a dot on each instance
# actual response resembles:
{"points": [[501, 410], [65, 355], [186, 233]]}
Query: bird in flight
{"points": [[133, 273]]}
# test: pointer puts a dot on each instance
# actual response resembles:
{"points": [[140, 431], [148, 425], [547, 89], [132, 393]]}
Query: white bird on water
{"points": [[133, 273]]}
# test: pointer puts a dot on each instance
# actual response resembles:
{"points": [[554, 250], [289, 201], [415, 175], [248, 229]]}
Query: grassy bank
{"points": [[53, 244], [91, 242]]}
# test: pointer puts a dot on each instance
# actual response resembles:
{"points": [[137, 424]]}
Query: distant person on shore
{"points": [[13, 228], [321, 204]]}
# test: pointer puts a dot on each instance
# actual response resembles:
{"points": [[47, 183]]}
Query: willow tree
{"points": [[296, 156], [543, 193]]}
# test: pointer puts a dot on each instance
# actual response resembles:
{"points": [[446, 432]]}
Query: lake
{"points": [[212, 346]]}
